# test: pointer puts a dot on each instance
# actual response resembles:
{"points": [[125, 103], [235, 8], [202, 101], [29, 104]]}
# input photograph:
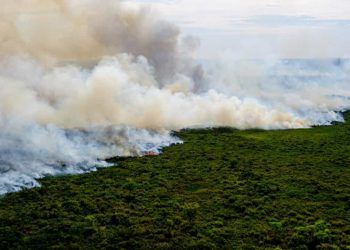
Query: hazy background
{"points": [[263, 28]]}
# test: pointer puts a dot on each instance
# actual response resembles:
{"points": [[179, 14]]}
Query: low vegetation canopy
{"points": [[223, 188]]}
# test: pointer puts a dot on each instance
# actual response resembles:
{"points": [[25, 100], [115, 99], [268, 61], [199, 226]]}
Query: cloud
{"points": [[221, 23], [282, 20]]}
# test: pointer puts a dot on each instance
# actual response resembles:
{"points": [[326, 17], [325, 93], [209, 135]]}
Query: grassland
{"points": [[222, 188]]}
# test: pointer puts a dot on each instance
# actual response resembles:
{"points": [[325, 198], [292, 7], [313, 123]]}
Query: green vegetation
{"points": [[223, 188]]}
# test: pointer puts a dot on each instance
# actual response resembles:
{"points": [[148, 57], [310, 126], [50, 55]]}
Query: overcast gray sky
{"points": [[260, 28]]}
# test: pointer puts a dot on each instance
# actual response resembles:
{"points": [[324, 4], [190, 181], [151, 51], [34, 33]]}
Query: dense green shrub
{"points": [[223, 188]]}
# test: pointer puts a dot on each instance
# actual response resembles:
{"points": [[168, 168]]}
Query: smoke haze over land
{"points": [[81, 81]]}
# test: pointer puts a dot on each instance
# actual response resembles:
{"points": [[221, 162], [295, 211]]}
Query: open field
{"points": [[221, 188]]}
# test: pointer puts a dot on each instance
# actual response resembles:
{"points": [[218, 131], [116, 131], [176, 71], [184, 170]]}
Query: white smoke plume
{"points": [[30, 151], [81, 81]]}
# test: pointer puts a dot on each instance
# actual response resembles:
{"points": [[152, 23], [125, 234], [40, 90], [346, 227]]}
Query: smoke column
{"points": [[81, 81]]}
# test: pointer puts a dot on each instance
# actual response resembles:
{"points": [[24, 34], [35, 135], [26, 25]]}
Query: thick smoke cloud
{"points": [[81, 81], [61, 31]]}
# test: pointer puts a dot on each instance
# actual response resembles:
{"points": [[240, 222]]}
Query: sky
{"points": [[262, 28]]}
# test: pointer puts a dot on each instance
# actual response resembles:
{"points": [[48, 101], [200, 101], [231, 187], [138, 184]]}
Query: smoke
{"points": [[61, 31], [30, 151], [82, 81]]}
